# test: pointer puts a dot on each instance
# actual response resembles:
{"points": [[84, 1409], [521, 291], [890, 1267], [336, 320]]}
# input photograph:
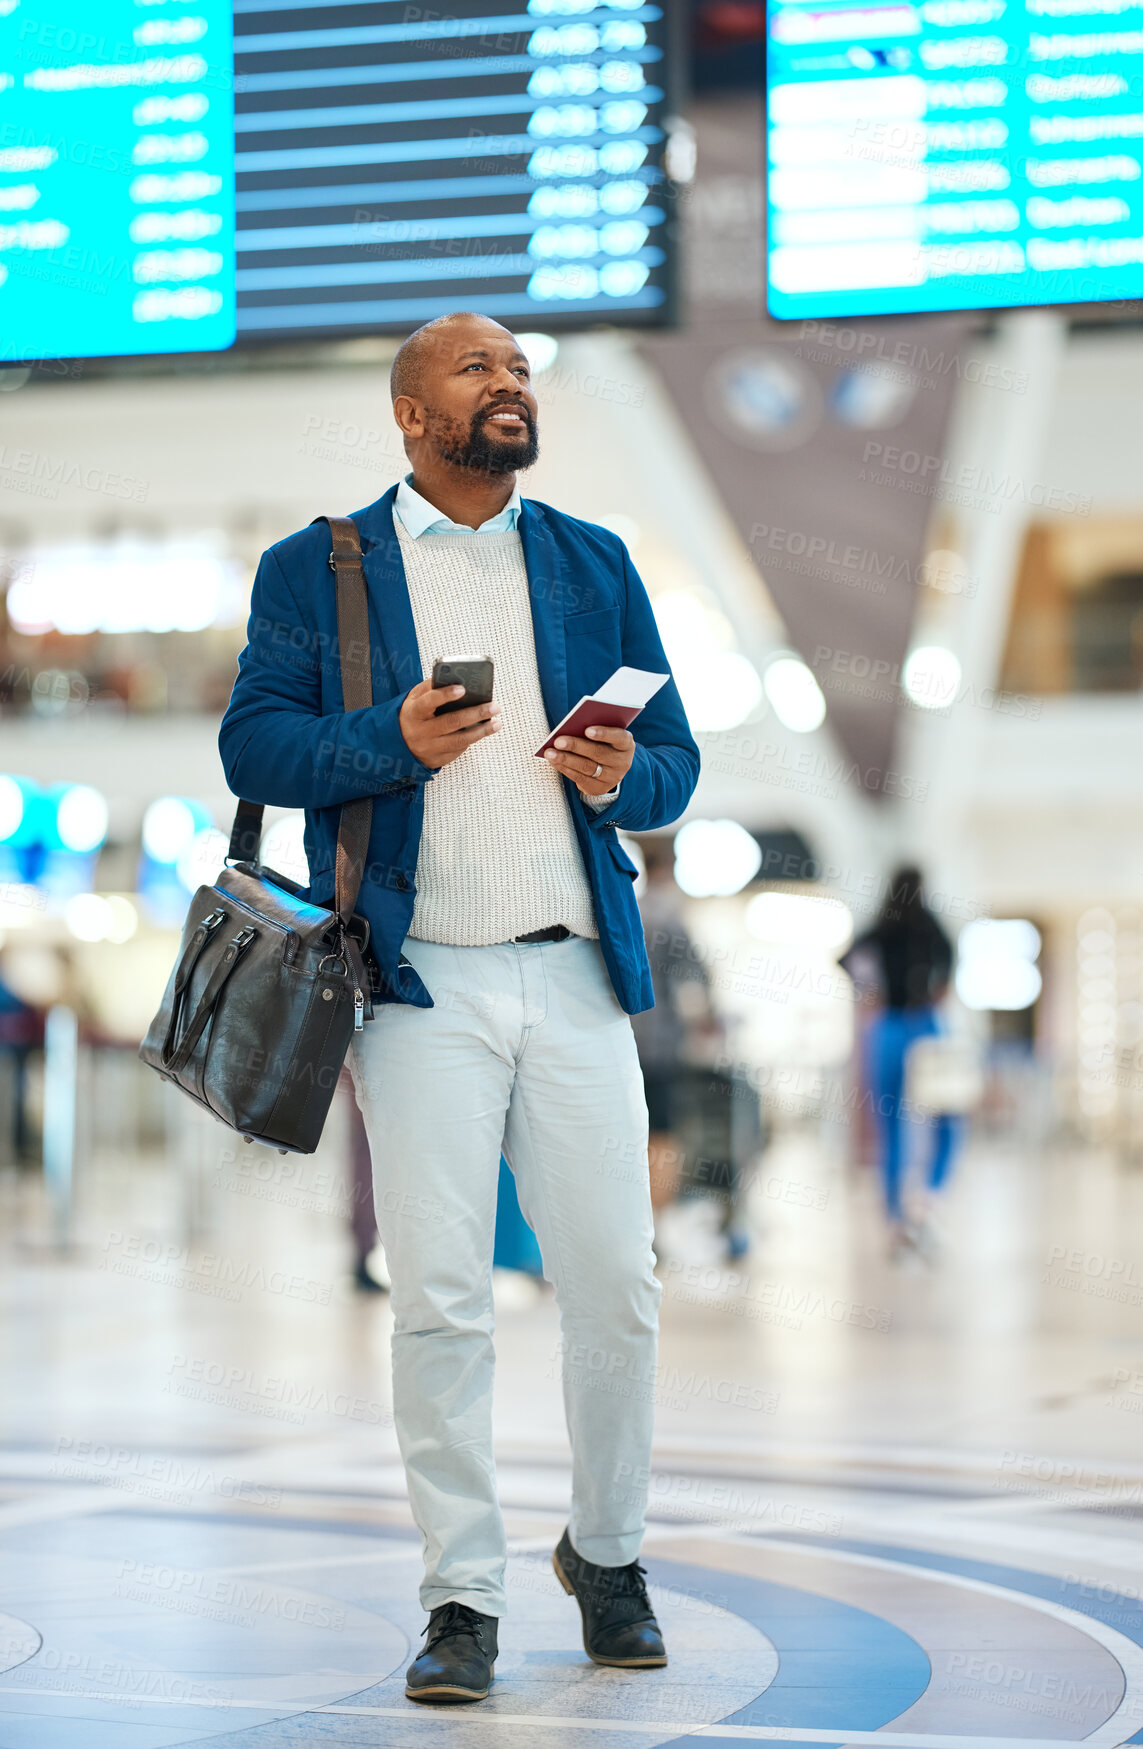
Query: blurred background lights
{"points": [[169, 824], [795, 695], [128, 585], [947, 572], [715, 858], [21, 905], [541, 351], [101, 917], [800, 920], [686, 619], [124, 918], [81, 818], [998, 984], [727, 692], [11, 808], [88, 916], [996, 964], [931, 677], [719, 686], [200, 859], [284, 849], [1008, 937], [24, 809]]}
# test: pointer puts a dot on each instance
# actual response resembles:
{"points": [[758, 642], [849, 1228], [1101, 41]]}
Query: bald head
{"points": [[434, 339]]}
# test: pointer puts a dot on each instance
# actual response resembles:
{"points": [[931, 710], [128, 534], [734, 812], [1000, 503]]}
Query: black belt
{"points": [[557, 932]]}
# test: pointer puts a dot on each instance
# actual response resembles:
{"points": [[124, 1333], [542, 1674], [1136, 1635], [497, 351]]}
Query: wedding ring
{"points": [[599, 771]]}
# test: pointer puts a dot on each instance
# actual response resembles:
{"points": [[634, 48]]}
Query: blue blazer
{"points": [[286, 741]]}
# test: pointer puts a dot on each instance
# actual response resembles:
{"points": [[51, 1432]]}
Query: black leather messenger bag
{"points": [[268, 990]]}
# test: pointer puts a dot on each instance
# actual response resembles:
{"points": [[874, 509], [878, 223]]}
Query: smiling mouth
{"points": [[506, 418]]}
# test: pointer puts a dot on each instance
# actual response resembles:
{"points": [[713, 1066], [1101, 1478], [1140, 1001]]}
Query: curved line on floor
{"points": [[19, 1622], [1118, 1614], [863, 1671]]}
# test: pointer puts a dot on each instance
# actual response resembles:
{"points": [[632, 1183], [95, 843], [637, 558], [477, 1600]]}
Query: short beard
{"points": [[476, 448]]}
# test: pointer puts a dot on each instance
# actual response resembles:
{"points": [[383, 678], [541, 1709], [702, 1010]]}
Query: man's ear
{"points": [[408, 416]]}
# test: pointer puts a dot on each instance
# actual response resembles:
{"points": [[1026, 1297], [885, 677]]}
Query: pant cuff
{"points": [[607, 1551], [495, 1604]]}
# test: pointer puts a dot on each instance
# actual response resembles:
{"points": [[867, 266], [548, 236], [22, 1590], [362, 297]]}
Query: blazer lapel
{"points": [[547, 592], [392, 613]]}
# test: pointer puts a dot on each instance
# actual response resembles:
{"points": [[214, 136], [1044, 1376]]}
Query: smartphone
{"points": [[474, 673]]}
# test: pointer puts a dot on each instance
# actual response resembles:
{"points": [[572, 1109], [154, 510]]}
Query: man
{"points": [[508, 953]]}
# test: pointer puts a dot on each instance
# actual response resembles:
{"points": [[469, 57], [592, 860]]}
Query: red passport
{"points": [[614, 705]]}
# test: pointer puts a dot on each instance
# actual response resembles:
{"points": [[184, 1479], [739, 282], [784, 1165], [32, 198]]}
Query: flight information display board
{"points": [[116, 178], [185, 175], [953, 154]]}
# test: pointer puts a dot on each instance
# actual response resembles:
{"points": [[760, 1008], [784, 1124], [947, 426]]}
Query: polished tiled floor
{"points": [[899, 1504]]}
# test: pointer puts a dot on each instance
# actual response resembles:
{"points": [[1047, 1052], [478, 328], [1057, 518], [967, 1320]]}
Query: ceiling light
{"points": [[89, 917], [800, 919], [169, 824], [798, 701], [541, 351], [931, 677], [715, 858], [81, 818]]}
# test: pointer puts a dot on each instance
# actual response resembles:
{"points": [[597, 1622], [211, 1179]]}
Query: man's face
{"points": [[478, 409]]}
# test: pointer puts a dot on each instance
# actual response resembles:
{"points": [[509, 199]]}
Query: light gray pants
{"points": [[526, 1049]]}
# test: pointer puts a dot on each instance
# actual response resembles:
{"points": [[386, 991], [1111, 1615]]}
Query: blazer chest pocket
{"points": [[602, 622]]}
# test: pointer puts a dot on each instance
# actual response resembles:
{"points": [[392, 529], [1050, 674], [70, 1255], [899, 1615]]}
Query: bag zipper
{"points": [[270, 922]]}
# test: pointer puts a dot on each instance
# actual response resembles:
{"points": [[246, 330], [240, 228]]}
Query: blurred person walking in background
{"points": [[679, 983], [914, 958], [670, 1039], [21, 1034]]}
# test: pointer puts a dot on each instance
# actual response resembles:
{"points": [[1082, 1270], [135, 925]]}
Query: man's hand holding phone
{"points": [[435, 740]]}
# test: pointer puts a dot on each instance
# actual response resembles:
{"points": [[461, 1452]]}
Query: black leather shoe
{"points": [[456, 1664], [619, 1625]]}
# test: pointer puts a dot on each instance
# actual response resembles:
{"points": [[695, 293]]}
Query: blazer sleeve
{"points": [[665, 769], [277, 745]]}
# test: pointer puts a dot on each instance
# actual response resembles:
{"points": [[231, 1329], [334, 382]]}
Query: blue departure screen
{"points": [[179, 175], [953, 154], [116, 178]]}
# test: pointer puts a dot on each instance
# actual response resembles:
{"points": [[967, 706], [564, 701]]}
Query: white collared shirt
{"points": [[417, 516]]}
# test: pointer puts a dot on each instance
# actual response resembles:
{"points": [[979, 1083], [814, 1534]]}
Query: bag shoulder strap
{"points": [[357, 694]]}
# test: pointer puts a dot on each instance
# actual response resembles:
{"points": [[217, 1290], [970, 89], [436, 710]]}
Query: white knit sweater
{"points": [[498, 855]]}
